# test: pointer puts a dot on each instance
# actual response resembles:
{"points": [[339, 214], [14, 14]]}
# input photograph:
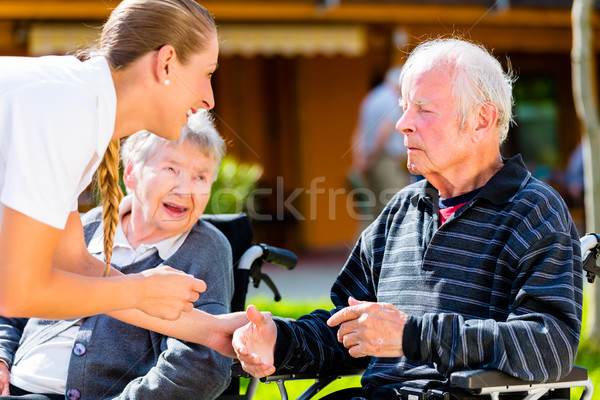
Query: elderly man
{"points": [[100, 357], [477, 266]]}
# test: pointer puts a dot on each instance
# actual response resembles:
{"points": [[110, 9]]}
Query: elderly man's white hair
{"points": [[476, 76], [199, 131]]}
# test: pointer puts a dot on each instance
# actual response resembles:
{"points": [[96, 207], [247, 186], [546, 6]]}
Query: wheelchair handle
{"points": [[282, 257], [590, 254], [588, 242]]}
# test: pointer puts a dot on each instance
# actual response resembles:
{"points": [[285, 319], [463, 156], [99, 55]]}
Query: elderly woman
{"points": [[100, 357]]}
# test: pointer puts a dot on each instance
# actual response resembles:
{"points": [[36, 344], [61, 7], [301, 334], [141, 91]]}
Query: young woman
{"points": [[59, 117]]}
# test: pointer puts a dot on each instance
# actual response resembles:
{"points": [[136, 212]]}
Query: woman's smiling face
{"points": [[171, 189]]}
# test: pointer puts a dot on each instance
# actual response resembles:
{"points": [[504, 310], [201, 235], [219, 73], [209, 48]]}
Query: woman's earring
{"points": [[166, 82]]}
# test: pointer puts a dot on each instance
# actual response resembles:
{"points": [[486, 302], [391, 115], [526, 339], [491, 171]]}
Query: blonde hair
{"points": [[108, 181], [135, 28]]}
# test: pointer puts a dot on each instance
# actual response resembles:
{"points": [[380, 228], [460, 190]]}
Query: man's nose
{"points": [[405, 124]]}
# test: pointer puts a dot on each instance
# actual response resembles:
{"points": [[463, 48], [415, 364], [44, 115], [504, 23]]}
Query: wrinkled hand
{"points": [[370, 329], [254, 343], [4, 380], [168, 293]]}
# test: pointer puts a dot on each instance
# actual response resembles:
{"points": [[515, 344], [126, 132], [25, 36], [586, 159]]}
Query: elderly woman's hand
{"points": [[4, 379]]}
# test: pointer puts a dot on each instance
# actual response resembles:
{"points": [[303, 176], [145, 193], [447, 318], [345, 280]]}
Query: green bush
{"points": [[235, 182]]}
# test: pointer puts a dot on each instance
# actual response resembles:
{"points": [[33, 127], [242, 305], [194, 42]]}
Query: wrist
{"points": [[136, 292]]}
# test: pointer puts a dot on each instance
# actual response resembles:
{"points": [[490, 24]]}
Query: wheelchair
{"points": [[468, 384], [248, 259]]}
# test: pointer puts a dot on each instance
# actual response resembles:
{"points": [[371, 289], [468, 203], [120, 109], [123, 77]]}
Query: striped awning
{"points": [[244, 40], [292, 40], [47, 38]]}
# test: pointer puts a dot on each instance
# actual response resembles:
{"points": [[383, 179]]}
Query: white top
{"points": [[57, 116], [44, 369]]}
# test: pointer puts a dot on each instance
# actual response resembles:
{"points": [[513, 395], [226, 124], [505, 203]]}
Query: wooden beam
{"points": [[528, 40], [304, 11], [56, 9], [388, 12]]}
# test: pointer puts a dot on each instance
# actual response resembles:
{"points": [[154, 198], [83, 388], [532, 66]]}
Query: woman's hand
{"points": [[222, 332], [4, 380], [167, 293]]}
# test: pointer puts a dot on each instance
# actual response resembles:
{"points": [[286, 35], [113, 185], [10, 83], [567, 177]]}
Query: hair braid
{"points": [[108, 181]]}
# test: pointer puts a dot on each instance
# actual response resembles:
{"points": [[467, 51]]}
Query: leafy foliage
{"points": [[231, 192]]}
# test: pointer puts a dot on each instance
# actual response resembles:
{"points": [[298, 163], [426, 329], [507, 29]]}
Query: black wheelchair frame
{"points": [[248, 259], [481, 383]]}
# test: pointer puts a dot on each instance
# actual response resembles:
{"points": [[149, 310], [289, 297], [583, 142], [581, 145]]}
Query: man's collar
{"points": [[502, 187], [507, 182]]}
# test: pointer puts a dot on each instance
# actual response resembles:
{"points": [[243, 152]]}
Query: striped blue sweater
{"points": [[499, 285]]}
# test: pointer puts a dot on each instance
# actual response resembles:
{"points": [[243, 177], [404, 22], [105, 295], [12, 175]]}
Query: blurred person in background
{"points": [[379, 155]]}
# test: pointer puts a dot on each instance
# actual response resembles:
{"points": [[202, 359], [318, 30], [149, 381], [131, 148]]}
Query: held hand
{"points": [[4, 380], [168, 293], [370, 329], [254, 343], [225, 325]]}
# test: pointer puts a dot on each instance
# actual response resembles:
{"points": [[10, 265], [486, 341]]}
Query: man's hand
{"points": [[254, 343], [370, 329], [4, 379], [167, 292]]}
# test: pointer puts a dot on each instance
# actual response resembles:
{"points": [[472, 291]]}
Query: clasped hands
{"points": [[365, 329]]}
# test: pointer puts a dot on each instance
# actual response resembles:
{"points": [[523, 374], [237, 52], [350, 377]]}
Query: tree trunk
{"points": [[584, 94]]}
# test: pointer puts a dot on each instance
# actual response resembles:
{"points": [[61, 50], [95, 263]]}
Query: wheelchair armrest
{"points": [[319, 375], [238, 372], [483, 378]]}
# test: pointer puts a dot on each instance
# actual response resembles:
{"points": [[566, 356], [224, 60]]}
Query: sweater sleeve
{"points": [[539, 339], [11, 330]]}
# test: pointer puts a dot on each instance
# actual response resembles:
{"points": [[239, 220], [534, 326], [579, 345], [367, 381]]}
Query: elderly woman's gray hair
{"points": [[476, 75], [199, 131]]}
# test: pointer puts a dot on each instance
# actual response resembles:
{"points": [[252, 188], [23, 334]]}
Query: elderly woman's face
{"points": [[173, 187]]}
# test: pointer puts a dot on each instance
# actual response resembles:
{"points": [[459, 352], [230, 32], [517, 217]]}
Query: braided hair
{"points": [[108, 181]]}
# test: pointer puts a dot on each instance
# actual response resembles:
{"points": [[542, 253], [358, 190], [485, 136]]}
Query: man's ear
{"points": [[487, 118], [128, 176], [164, 58]]}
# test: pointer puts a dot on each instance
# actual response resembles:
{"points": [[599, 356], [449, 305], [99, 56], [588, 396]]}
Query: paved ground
{"points": [[311, 279]]}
